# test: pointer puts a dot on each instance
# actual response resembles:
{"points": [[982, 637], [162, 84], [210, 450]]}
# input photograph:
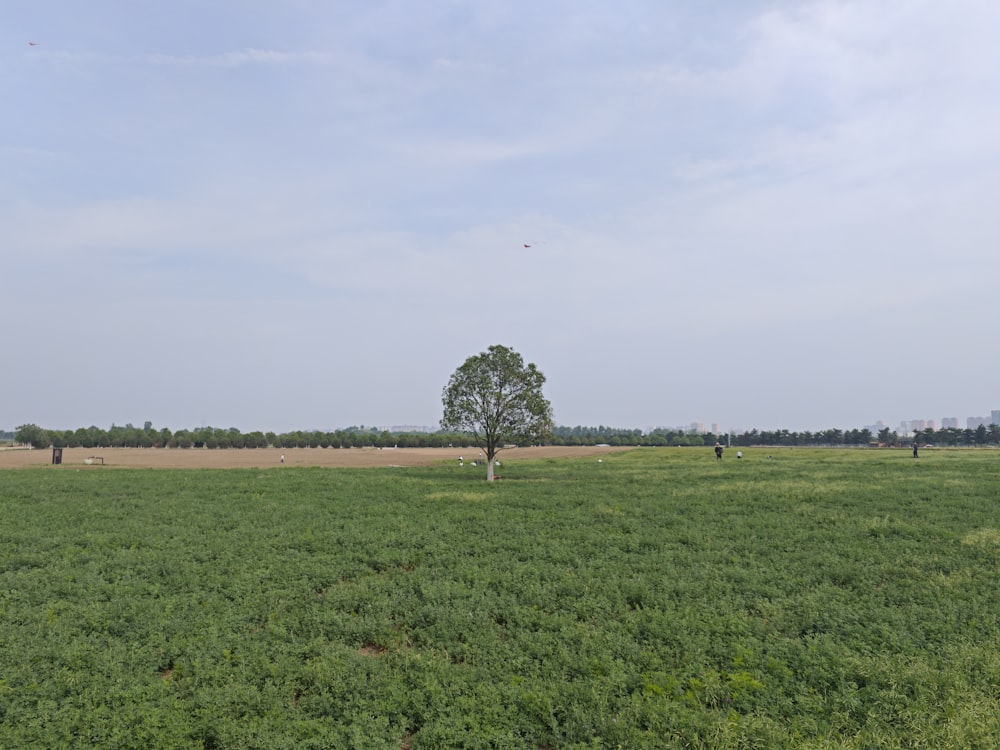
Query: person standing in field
{"points": [[915, 449], [718, 451]]}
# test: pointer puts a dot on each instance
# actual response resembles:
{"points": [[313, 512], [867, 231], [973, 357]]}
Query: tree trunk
{"points": [[489, 469]]}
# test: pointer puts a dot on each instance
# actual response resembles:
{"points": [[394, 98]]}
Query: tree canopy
{"points": [[497, 399]]}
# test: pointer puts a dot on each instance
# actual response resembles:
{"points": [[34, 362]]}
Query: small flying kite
{"points": [[32, 44]]}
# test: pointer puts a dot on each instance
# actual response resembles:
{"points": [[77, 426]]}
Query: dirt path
{"points": [[193, 458]]}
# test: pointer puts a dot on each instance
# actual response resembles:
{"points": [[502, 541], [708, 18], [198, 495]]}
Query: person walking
{"points": [[718, 451]]}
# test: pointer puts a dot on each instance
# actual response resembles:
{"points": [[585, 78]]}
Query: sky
{"points": [[306, 215]]}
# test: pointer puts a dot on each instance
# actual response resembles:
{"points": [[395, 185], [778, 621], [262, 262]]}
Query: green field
{"points": [[657, 599]]}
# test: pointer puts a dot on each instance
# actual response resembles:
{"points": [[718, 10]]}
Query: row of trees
{"points": [[982, 435], [663, 436], [832, 436], [130, 436]]}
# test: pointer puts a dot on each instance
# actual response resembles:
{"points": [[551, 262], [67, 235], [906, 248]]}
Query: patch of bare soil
{"points": [[196, 458]]}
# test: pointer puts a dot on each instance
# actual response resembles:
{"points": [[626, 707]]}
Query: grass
{"points": [[658, 599]]}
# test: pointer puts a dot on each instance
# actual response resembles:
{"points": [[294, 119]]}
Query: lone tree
{"points": [[497, 399]]}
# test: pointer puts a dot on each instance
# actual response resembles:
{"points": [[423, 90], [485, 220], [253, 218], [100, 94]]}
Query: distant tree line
{"points": [[676, 437], [147, 436], [831, 437], [982, 435]]}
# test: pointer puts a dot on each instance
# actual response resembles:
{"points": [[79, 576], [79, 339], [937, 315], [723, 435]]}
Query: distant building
{"points": [[716, 429], [973, 423], [697, 427], [995, 416], [949, 423], [876, 428]]}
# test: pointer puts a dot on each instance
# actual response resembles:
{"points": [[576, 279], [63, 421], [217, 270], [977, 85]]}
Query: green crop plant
{"points": [[657, 599]]}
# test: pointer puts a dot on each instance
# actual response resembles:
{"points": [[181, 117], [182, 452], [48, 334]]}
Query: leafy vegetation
{"points": [[657, 599], [497, 399], [147, 436]]}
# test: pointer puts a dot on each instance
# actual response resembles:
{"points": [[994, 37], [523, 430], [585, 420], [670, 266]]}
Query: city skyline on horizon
{"points": [[905, 426]]}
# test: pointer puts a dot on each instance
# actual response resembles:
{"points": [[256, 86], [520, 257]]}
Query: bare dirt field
{"points": [[195, 458]]}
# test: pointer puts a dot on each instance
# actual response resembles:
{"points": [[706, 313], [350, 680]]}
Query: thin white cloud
{"points": [[230, 59], [249, 57]]}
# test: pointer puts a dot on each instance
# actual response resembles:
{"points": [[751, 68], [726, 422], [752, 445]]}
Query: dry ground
{"points": [[195, 458]]}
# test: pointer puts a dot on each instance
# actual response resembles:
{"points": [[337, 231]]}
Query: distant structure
{"points": [[876, 428], [950, 423], [906, 427]]}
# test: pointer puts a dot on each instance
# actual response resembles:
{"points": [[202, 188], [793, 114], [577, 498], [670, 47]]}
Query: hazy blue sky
{"points": [[307, 214]]}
